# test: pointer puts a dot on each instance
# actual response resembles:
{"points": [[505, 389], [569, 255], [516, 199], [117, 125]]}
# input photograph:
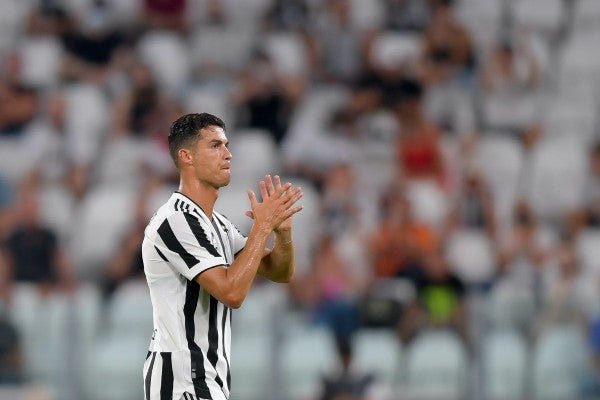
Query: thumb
{"points": [[249, 214]]}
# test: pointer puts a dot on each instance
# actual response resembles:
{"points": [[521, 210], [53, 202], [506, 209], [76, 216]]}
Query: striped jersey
{"points": [[190, 346]]}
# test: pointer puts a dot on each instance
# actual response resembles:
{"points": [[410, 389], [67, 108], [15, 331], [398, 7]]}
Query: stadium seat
{"points": [[129, 311], [167, 55], [510, 307], [41, 58], [251, 366], [118, 360], [505, 362], [56, 209], [121, 346], [367, 14], [254, 155], [379, 351], [429, 203], [307, 355], [567, 116], [500, 160], [212, 99], [586, 15], [471, 256], [578, 67], [221, 47], [288, 52], [587, 248], [104, 216], [86, 108], [555, 179], [256, 315], [437, 366], [544, 16], [392, 49], [483, 19], [43, 324], [560, 362]]}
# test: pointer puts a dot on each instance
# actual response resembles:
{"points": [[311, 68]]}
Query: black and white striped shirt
{"points": [[190, 347]]}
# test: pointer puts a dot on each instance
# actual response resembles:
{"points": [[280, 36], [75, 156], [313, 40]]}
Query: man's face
{"points": [[211, 157]]}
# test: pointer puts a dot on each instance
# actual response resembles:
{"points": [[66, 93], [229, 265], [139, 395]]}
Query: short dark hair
{"points": [[186, 129]]}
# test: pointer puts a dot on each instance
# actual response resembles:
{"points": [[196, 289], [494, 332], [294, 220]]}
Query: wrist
{"points": [[284, 236]]}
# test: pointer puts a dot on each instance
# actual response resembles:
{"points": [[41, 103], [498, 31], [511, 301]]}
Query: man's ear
{"points": [[185, 157]]}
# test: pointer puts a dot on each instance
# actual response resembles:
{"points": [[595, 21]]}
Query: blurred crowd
{"points": [[451, 149]]}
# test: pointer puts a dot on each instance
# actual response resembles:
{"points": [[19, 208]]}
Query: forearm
{"points": [[278, 265], [231, 285]]}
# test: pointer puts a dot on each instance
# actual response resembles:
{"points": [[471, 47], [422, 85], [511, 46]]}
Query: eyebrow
{"points": [[219, 141]]}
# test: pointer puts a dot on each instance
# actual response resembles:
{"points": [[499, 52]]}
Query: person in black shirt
{"points": [[32, 252]]}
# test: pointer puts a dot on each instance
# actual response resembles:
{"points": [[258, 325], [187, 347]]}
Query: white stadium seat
{"points": [[505, 361], [437, 366]]}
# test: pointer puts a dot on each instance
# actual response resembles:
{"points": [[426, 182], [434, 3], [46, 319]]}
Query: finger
{"points": [[280, 191], [263, 190], [270, 186], [295, 195], [291, 211], [277, 182], [252, 198], [249, 214]]}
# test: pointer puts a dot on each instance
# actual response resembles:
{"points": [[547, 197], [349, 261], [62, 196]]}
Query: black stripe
{"points": [[176, 206], [149, 376], [220, 240], [213, 338], [224, 323], [166, 380], [200, 234], [197, 358], [197, 212], [166, 234], [161, 254]]}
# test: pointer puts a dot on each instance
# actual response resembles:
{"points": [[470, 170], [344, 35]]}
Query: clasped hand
{"points": [[277, 206]]}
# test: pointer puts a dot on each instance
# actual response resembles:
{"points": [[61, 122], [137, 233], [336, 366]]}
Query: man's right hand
{"points": [[276, 206]]}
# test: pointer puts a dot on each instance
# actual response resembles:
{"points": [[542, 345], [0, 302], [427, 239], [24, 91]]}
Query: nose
{"points": [[228, 155]]}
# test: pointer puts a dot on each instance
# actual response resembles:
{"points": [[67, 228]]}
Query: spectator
{"points": [[335, 290], [447, 43], [165, 14], [474, 206], [93, 45], [399, 244], [341, 45], [11, 357], [265, 97], [440, 302], [509, 78], [347, 384], [418, 148], [32, 252], [127, 264], [525, 250], [18, 103], [564, 299], [340, 209]]}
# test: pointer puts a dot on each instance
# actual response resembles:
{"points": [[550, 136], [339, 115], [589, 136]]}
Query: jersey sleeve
{"points": [[183, 240]]}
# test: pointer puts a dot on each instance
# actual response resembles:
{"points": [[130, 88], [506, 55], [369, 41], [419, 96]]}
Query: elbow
{"points": [[233, 300]]}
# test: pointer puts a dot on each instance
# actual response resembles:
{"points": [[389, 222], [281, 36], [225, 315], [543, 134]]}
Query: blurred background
{"points": [[448, 151]]}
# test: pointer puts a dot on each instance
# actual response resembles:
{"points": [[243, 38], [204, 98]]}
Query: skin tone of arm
{"points": [[277, 264], [231, 285]]}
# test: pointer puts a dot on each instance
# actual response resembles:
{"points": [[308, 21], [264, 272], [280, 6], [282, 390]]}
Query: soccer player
{"points": [[199, 266]]}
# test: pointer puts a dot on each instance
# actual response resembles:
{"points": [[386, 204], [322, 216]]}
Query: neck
{"points": [[203, 195]]}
